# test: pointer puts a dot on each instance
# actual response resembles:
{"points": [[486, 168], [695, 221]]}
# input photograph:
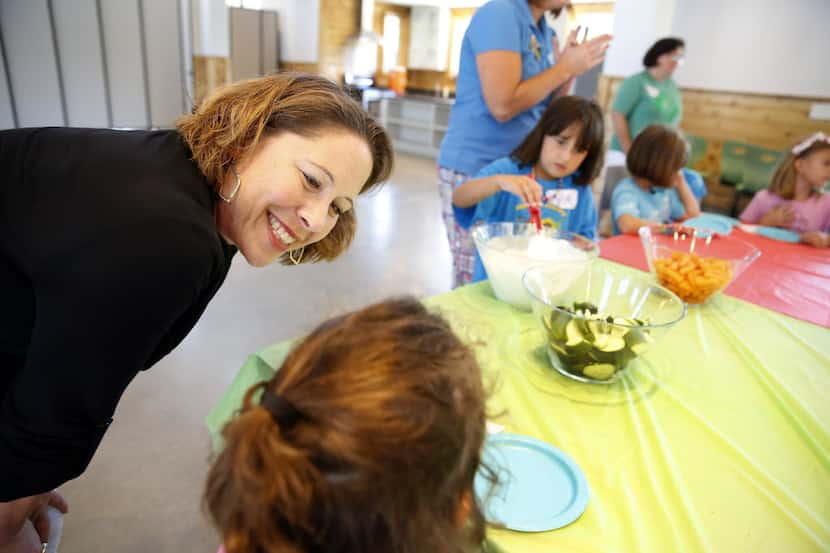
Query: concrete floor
{"points": [[142, 490]]}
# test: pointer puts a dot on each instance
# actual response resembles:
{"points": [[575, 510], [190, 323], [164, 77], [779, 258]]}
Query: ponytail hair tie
{"points": [[800, 148], [284, 413]]}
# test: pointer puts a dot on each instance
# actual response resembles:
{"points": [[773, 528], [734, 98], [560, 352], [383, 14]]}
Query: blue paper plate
{"points": [[778, 234], [712, 222], [539, 488]]}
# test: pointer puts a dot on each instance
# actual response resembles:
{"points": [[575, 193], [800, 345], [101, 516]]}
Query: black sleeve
{"points": [[100, 315]]}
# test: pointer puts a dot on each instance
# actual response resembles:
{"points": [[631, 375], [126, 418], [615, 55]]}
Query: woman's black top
{"points": [[109, 254]]}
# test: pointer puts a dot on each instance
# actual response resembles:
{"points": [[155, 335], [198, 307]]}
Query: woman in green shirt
{"points": [[650, 96]]}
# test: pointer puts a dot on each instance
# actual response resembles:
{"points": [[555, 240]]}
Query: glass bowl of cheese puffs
{"points": [[693, 263]]}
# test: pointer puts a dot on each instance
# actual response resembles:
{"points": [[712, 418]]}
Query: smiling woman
{"points": [[112, 243], [262, 141]]}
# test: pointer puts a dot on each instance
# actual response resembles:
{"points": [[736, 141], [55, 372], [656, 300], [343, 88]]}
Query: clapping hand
{"points": [[578, 57]]}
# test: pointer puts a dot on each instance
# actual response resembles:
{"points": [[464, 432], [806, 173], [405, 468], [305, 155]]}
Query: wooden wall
{"points": [[775, 122], [339, 20], [302, 67], [209, 72]]}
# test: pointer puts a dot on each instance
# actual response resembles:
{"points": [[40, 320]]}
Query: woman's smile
{"points": [[280, 235]]}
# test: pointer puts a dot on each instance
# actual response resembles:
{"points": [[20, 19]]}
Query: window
{"points": [[391, 40]]}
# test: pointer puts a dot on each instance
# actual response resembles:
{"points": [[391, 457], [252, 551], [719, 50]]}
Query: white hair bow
{"points": [[798, 149]]}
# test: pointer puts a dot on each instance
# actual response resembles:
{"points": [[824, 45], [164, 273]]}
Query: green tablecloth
{"points": [[719, 441]]}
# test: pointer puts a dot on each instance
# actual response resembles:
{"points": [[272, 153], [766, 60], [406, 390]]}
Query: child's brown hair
{"points": [[657, 154], [559, 115], [372, 443], [783, 181]]}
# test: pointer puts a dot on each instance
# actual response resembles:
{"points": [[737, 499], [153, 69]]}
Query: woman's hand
{"points": [[26, 540], [567, 87], [781, 216], [816, 238], [578, 58], [507, 95], [524, 187], [26, 519]]}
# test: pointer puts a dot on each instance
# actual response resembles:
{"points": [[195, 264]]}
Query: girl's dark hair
{"points": [[561, 114], [388, 440], [662, 46], [657, 154]]}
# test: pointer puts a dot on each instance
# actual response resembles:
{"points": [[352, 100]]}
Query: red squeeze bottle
{"points": [[536, 217], [535, 211]]}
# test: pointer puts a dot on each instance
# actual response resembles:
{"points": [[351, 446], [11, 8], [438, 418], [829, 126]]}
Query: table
{"points": [[719, 441], [793, 279]]}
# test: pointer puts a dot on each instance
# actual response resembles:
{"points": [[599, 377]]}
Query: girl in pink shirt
{"points": [[794, 199], [368, 438]]}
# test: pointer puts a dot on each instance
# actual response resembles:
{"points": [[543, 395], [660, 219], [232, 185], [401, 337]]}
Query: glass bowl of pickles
{"points": [[596, 325]]}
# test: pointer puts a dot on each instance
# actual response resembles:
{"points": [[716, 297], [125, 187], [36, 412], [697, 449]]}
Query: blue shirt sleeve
{"points": [[677, 209], [494, 27], [696, 183], [502, 166], [586, 214], [483, 210], [624, 201]]}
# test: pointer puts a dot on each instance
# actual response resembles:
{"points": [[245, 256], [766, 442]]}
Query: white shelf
{"points": [[416, 124]]}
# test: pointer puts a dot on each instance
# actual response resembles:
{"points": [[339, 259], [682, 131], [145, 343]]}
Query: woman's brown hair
{"points": [[231, 122], [385, 442], [657, 154], [783, 181], [561, 114]]}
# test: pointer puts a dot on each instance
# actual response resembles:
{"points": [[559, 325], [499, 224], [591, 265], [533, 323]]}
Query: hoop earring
{"points": [[229, 198], [299, 259]]}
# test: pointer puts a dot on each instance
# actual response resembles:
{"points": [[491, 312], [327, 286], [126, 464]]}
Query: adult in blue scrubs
{"points": [[511, 67]]}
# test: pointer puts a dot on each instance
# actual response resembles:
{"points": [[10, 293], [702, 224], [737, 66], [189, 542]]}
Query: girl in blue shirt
{"points": [[511, 65], [657, 190], [554, 165]]}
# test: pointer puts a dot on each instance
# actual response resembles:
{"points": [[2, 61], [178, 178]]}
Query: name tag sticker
{"points": [[562, 198]]}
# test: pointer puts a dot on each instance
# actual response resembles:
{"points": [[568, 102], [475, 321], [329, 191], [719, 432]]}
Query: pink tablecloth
{"points": [[792, 279]]}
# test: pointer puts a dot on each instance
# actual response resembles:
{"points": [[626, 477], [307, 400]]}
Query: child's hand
{"points": [[679, 181], [816, 238], [524, 187], [781, 216]]}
